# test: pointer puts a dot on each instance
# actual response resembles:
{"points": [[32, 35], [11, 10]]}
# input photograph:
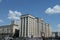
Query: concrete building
{"points": [[48, 30], [34, 27], [55, 34], [41, 27], [44, 28], [8, 30], [28, 26]]}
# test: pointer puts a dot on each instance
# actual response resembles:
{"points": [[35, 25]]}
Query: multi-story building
{"points": [[8, 30], [28, 26], [34, 27], [41, 27], [44, 28]]}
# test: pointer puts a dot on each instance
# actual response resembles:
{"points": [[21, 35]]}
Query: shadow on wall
{"points": [[16, 35]]}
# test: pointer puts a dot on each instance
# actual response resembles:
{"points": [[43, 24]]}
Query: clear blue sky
{"points": [[35, 7]]}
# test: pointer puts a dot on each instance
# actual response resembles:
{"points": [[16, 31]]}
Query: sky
{"points": [[49, 10]]}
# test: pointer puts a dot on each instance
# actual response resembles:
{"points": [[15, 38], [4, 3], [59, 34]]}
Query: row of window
{"points": [[6, 30]]}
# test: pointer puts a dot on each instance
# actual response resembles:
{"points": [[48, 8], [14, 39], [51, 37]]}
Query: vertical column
{"points": [[26, 26], [21, 28], [45, 31], [49, 30]]}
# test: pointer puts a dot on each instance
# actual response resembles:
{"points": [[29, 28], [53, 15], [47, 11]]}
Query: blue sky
{"points": [[49, 10]]}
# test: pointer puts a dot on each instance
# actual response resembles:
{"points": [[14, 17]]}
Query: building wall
{"points": [[6, 29], [46, 30], [54, 34], [40, 27], [49, 30], [28, 23], [15, 27], [44, 27], [32, 26]]}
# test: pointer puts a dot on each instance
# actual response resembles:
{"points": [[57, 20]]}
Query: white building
{"points": [[9, 30], [32, 26], [28, 26]]}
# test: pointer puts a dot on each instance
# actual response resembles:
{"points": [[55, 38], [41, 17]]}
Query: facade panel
{"points": [[34, 27]]}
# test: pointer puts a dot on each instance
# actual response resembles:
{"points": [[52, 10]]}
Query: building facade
{"points": [[55, 34], [8, 30], [34, 27], [28, 26]]}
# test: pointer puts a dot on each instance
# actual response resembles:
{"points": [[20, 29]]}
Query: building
{"points": [[48, 30], [44, 28], [28, 26], [55, 34], [34, 27], [8, 30]]}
